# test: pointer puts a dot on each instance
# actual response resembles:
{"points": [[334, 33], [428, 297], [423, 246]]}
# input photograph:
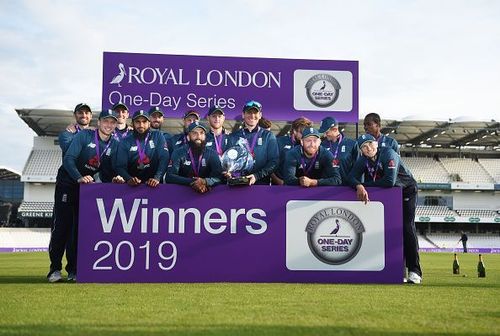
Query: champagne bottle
{"points": [[456, 265], [481, 271]]}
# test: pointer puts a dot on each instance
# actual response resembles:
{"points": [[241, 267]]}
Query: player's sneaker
{"points": [[414, 278], [55, 276], [72, 277]]}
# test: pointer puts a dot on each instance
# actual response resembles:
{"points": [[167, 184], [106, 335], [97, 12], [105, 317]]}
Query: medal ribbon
{"points": [[254, 141], [338, 145], [307, 167], [142, 151], [218, 144], [372, 170], [97, 149], [196, 167]]}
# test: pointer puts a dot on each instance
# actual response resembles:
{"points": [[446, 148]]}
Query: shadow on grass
{"points": [[202, 330]]}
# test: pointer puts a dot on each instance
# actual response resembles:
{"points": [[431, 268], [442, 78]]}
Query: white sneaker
{"points": [[55, 276], [414, 278], [72, 277]]}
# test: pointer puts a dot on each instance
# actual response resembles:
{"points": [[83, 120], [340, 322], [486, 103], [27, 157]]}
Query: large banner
{"points": [[287, 88], [240, 234]]}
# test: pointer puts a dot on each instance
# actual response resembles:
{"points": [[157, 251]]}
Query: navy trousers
{"points": [[410, 240], [63, 236]]}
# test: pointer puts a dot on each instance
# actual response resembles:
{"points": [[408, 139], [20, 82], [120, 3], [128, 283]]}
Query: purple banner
{"points": [[252, 234], [287, 88]]}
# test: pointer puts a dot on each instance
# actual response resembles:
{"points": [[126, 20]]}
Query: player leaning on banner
{"points": [[372, 125], [83, 116], [286, 143], [143, 156], [382, 167], [217, 137], [88, 159], [343, 149], [310, 165], [194, 164], [260, 143]]}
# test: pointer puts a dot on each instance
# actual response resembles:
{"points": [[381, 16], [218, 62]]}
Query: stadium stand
{"points": [[24, 238], [468, 170], [475, 241], [431, 210], [427, 170], [492, 166], [476, 213], [42, 163], [423, 242]]}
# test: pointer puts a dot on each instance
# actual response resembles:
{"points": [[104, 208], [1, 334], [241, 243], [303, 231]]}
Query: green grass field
{"points": [[444, 305]]}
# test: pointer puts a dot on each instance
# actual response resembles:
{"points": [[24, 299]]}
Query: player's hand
{"points": [[252, 179], [134, 181], [276, 180], [118, 179], [362, 194], [199, 185], [85, 179], [226, 174], [71, 128], [152, 182]]}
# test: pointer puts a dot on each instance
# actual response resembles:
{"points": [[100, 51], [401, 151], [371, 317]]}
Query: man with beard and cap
{"points": [[217, 138], [382, 167], [260, 143], [83, 116], [122, 129], [194, 164], [286, 143], [372, 125], [344, 150], [88, 159], [179, 140], [310, 164], [143, 156], [156, 115]]}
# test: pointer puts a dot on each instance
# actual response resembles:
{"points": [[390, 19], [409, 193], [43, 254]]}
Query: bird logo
{"points": [[337, 228], [323, 87], [118, 78]]}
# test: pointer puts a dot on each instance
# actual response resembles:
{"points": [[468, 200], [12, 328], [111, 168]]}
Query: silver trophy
{"points": [[238, 162]]}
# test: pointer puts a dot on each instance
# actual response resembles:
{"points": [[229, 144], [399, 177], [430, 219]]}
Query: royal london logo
{"points": [[335, 235], [120, 76], [322, 90]]}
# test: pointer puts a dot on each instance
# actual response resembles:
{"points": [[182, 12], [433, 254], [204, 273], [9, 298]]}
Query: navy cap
{"points": [[310, 131], [81, 106], [120, 104], [107, 114], [140, 113], [195, 125], [365, 138], [327, 123], [252, 104], [155, 109], [191, 112], [215, 109]]}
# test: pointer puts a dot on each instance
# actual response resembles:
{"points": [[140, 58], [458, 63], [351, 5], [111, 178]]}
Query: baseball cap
{"points": [[120, 104], [140, 113], [107, 114], [191, 112], [195, 125], [365, 138], [155, 109], [214, 109], [310, 131], [82, 106], [252, 104], [327, 123]]}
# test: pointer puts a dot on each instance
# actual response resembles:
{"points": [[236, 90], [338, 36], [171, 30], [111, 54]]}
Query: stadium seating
{"points": [[42, 163], [426, 170], [476, 213], [22, 238], [423, 242], [428, 210], [492, 166], [468, 170], [475, 240]]}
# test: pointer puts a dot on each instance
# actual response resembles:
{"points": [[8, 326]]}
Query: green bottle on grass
{"points": [[481, 271], [456, 265]]}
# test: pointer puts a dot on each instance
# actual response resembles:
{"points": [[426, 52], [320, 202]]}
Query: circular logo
{"points": [[322, 90], [335, 235]]}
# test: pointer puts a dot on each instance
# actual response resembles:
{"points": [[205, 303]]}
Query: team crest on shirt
{"points": [[151, 144], [108, 152], [343, 149]]}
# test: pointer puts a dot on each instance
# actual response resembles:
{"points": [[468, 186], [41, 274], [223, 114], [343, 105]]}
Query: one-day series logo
{"points": [[335, 235]]}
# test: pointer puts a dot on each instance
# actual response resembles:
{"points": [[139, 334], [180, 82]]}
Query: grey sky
{"points": [[435, 59]]}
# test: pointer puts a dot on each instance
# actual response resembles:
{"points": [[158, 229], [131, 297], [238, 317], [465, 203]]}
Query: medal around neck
{"points": [[238, 161]]}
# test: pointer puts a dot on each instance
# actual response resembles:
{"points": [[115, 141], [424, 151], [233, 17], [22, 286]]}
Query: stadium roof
{"points": [[9, 174], [410, 131]]}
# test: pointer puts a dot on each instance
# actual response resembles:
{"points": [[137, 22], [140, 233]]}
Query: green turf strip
{"points": [[445, 304]]}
